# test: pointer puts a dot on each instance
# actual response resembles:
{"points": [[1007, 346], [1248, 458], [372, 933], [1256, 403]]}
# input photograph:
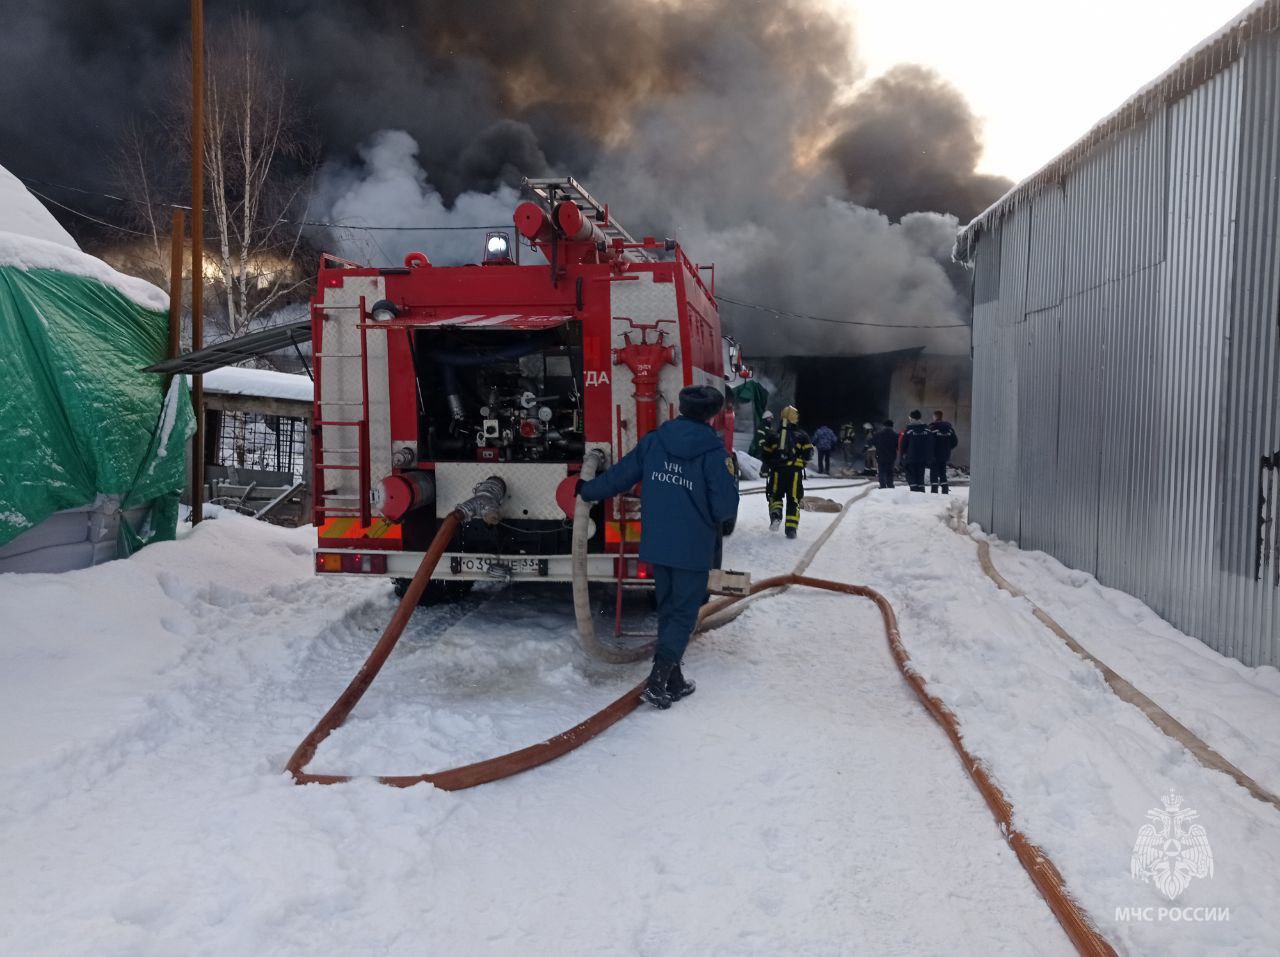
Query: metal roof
{"points": [[237, 350], [1211, 57]]}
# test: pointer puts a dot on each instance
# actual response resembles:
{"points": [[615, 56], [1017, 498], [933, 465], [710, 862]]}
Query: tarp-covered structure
{"points": [[91, 447]]}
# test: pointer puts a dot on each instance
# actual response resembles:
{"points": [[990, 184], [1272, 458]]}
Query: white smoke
{"points": [[389, 188]]}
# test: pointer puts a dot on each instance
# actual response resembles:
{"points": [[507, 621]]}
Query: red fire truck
{"points": [[432, 379]]}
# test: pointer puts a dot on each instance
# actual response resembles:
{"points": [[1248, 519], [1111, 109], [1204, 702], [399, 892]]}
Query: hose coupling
{"points": [[485, 502]]}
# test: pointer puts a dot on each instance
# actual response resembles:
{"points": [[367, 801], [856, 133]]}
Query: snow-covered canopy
{"points": [[30, 238], [264, 383]]}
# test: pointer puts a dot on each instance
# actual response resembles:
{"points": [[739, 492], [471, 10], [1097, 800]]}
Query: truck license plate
{"points": [[497, 567]]}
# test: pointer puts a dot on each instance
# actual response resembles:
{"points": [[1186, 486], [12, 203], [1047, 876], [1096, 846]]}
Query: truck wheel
{"points": [[437, 592]]}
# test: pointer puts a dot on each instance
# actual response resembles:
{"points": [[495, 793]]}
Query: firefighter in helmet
{"points": [[786, 452]]}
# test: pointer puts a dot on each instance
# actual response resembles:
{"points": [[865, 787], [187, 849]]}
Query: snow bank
{"points": [[24, 215], [265, 383]]}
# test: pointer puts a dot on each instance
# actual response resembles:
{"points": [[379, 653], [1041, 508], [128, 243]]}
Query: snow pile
{"points": [[264, 383], [30, 238], [24, 215]]}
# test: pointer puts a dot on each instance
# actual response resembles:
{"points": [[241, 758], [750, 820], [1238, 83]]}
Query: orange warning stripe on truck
{"points": [[339, 532]]}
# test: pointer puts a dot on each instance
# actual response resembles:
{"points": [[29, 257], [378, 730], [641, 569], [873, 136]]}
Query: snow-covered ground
{"points": [[802, 801]]}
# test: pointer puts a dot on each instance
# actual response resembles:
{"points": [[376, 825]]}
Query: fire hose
{"points": [[587, 638], [488, 496]]}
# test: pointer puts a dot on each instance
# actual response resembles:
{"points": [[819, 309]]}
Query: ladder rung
{"points": [[335, 355], [326, 450], [340, 498], [347, 468], [348, 424], [325, 402]]}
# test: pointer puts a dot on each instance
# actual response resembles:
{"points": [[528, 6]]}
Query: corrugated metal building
{"points": [[1126, 415]]}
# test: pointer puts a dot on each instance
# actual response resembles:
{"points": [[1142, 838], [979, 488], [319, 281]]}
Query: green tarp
{"points": [[78, 417], [753, 392]]}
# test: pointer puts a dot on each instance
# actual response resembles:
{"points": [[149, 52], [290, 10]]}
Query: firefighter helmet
{"points": [[791, 415]]}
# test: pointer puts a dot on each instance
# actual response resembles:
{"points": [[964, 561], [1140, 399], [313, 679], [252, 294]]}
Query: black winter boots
{"points": [[655, 689], [678, 686], [666, 684]]}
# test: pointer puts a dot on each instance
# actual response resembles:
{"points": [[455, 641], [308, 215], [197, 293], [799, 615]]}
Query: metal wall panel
{"points": [[982, 450], [986, 270], [1005, 507], [1087, 224], [1248, 610], [1085, 318], [1131, 434], [1203, 150], [1045, 254], [1012, 296], [1039, 368]]}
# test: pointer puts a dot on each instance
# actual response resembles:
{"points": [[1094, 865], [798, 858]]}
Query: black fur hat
{"points": [[700, 402]]}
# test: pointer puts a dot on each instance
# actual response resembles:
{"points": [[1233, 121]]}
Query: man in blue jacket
{"points": [[824, 440], [885, 442], [944, 442], [687, 492], [916, 446]]}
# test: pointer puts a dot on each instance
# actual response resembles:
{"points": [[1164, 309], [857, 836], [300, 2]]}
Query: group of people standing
{"points": [[920, 447], [785, 452]]}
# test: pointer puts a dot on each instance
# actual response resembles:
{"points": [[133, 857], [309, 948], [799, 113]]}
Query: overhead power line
{"points": [[76, 212], [291, 222], [786, 313]]}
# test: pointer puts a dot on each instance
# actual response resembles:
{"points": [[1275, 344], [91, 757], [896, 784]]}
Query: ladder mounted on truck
{"points": [[556, 189]]}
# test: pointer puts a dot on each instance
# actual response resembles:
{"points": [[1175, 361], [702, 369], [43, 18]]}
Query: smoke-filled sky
{"points": [[1038, 74], [749, 131]]}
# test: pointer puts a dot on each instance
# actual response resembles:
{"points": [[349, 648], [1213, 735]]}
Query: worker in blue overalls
{"points": [[688, 490]]}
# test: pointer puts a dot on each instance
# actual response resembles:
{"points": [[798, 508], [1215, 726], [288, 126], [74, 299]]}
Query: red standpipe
{"points": [[645, 360]]}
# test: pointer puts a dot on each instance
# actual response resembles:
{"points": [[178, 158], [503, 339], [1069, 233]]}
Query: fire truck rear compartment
{"points": [[506, 401], [499, 395]]}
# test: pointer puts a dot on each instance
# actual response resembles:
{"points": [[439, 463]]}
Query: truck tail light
{"points": [[352, 564], [633, 568]]}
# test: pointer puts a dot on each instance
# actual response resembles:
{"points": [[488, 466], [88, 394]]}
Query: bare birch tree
{"points": [[258, 165], [255, 148]]}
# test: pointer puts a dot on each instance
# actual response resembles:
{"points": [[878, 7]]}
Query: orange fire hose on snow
{"points": [[1046, 877]]}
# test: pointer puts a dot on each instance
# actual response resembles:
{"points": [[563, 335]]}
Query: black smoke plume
{"points": [[726, 124]]}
